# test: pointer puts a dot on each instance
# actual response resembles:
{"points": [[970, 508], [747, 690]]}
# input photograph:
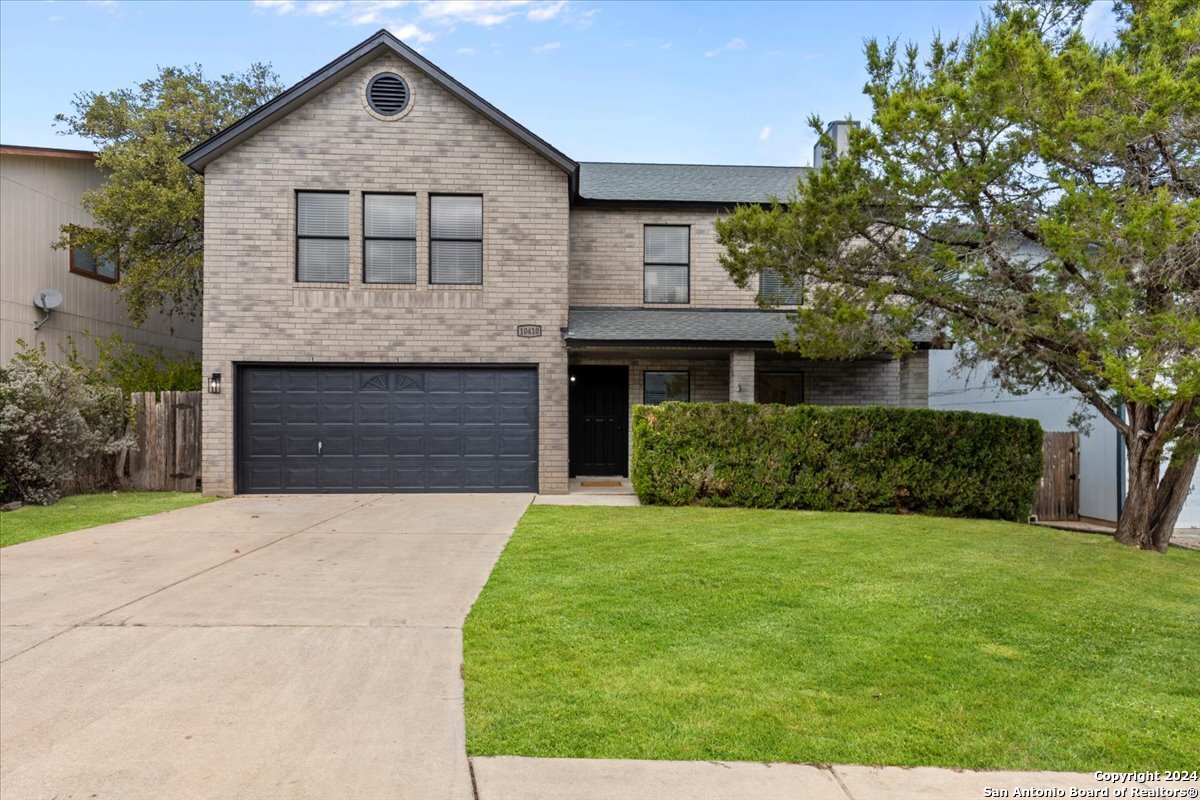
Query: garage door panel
{"points": [[336, 412], [300, 443], [264, 380], [387, 429], [263, 411], [443, 413], [338, 381]]}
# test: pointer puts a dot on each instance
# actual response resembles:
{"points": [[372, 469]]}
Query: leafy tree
{"points": [[120, 363], [1036, 194], [150, 211]]}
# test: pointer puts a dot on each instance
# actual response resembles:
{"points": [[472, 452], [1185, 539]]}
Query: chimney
{"points": [[839, 131]]}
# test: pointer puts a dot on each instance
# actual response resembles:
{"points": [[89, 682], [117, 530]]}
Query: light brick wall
{"points": [[741, 376], [256, 312], [607, 259], [914, 380]]}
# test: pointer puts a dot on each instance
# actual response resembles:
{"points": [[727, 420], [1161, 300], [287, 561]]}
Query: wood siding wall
{"points": [[38, 194]]}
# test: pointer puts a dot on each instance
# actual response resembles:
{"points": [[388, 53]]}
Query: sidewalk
{"points": [[512, 778]]}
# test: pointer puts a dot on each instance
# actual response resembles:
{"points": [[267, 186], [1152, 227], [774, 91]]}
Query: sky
{"points": [[671, 82]]}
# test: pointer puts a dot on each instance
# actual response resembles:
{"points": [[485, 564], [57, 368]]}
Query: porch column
{"points": [[741, 376]]}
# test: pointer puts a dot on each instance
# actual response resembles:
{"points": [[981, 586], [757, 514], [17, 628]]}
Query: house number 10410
{"points": [[529, 331]]}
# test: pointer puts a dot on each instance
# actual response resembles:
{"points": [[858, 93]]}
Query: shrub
{"points": [[119, 363], [52, 419], [866, 458]]}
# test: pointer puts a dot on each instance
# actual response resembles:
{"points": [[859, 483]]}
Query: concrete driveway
{"points": [[274, 647]]}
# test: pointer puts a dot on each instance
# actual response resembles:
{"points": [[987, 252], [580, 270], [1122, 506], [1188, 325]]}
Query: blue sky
{"points": [[706, 82]]}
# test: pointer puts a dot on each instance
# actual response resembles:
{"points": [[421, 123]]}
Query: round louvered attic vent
{"points": [[387, 94]]}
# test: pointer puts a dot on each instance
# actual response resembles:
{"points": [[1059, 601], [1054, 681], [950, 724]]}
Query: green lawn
{"points": [[687, 633], [87, 511]]}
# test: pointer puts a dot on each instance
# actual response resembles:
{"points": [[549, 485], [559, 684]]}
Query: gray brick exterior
{"points": [[254, 311], [607, 265], [540, 257]]}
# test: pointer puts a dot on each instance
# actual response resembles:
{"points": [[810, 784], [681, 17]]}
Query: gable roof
{"points": [[685, 183], [291, 99]]}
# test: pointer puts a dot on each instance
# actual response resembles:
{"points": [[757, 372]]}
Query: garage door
{"points": [[386, 429]]}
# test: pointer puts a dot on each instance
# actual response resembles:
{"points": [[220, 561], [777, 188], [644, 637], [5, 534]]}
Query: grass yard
{"points": [[87, 511], [688, 633]]}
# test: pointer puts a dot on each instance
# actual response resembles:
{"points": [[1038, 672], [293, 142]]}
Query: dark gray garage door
{"points": [[386, 429]]}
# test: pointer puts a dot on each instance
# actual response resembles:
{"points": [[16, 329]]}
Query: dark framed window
{"points": [[389, 238], [82, 261], [323, 237], [773, 289], [785, 388], [666, 254], [662, 387], [456, 238]]}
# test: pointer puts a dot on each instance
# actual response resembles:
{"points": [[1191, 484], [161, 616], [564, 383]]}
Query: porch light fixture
{"points": [[214, 383]]}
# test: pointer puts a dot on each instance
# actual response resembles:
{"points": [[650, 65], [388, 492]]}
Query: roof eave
{"points": [[275, 109]]}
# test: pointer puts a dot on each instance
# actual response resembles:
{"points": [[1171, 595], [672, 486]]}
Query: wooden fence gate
{"points": [[1058, 491], [167, 455]]}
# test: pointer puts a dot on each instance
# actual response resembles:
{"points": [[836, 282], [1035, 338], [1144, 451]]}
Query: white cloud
{"points": [[321, 8], [548, 11], [548, 47], [737, 43], [278, 6], [107, 5], [765, 133], [476, 12], [411, 33], [665, 46], [465, 51]]}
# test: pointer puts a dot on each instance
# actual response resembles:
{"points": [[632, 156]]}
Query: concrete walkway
{"points": [[509, 778], [275, 647]]}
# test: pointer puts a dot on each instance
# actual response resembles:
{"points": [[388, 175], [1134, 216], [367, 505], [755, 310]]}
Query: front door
{"points": [[599, 424]]}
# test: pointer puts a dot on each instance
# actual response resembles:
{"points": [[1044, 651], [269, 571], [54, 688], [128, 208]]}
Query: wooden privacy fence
{"points": [[1058, 491], [167, 454]]}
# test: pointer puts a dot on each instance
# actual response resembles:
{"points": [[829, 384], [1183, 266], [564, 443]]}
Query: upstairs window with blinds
{"points": [[666, 255], [773, 290], [389, 238], [455, 239], [322, 237]]}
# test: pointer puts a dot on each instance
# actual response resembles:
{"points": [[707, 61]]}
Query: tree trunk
{"points": [[1154, 500]]}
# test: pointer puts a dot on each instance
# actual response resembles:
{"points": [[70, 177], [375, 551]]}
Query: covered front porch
{"points": [[702, 361]]}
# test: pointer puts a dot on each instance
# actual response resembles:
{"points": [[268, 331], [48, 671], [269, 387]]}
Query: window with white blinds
{"points": [[661, 387], [666, 254], [389, 238], [455, 239], [773, 289], [322, 237]]}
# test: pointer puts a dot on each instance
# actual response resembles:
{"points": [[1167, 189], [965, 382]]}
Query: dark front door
{"points": [[599, 436], [381, 428]]}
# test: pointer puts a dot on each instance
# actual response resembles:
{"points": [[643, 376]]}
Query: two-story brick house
{"points": [[406, 290]]}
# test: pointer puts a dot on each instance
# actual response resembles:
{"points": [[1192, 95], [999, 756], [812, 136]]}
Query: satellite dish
{"points": [[46, 299]]}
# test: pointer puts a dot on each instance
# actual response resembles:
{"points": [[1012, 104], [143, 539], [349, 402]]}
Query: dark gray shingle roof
{"points": [[705, 183], [661, 324]]}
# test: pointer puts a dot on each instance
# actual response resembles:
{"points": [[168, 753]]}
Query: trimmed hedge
{"points": [[860, 458]]}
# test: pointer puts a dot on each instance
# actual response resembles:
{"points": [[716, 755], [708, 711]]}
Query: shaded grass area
{"points": [[87, 511], [732, 634]]}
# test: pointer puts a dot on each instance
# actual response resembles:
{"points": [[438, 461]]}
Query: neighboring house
{"points": [[1101, 452], [40, 189], [406, 290]]}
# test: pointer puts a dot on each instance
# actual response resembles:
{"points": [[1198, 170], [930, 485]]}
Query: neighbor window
{"points": [[660, 387], [455, 239], [389, 238], [773, 289], [82, 261], [666, 252], [323, 237]]}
